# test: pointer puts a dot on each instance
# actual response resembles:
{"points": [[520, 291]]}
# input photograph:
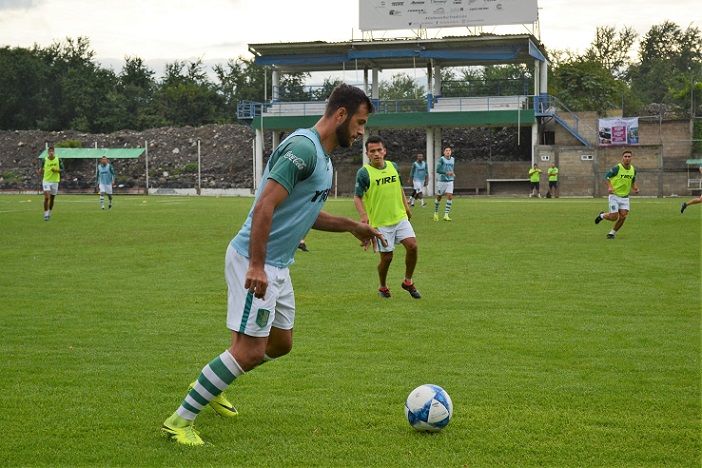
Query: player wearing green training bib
{"points": [[51, 176], [535, 180], [621, 181], [552, 181], [260, 298], [381, 202]]}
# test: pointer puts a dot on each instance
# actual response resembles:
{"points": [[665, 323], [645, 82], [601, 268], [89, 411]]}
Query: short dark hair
{"points": [[374, 139], [627, 151], [51, 146], [349, 97]]}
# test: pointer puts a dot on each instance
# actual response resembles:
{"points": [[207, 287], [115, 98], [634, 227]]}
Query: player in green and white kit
{"points": [[621, 181], [420, 177], [380, 202], [105, 180], [444, 184], [51, 176], [261, 302]]}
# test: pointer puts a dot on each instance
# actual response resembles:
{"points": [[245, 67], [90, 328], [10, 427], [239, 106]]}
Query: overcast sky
{"points": [[215, 30]]}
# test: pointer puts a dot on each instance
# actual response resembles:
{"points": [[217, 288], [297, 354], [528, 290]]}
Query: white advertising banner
{"points": [[415, 14], [618, 131]]}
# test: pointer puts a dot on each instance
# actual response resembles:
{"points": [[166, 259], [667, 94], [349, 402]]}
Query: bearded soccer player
{"points": [[261, 301], [621, 181], [380, 202]]}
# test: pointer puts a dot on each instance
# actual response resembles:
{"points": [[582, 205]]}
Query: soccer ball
{"points": [[428, 408]]}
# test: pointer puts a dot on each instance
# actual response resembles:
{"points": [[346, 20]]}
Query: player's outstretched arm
{"points": [[362, 232]]}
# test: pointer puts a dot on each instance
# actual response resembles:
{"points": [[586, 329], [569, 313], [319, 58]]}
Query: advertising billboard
{"points": [[618, 131], [415, 14]]}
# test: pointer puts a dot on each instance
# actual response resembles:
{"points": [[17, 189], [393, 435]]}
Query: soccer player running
{"points": [[105, 180], [420, 178], [621, 181], [694, 201], [380, 202], [51, 176], [261, 302], [444, 185]]}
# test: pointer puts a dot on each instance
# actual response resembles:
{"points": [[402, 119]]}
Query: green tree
{"points": [[670, 63], [611, 48], [239, 80], [22, 78], [401, 86]]}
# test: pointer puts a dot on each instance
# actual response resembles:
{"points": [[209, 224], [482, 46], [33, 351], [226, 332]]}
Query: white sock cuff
{"points": [[231, 363]]}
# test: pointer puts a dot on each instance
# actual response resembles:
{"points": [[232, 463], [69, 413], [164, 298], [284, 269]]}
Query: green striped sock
{"points": [[448, 206], [436, 206], [214, 379]]}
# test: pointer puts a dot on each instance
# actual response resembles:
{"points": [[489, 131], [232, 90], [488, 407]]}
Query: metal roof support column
{"points": [[365, 80], [365, 155], [537, 76], [543, 77], [430, 94], [534, 141], [437, 80], [375, 91], [275, 85], [438, 135], [430, 161], [275, 140], [258, 166]]}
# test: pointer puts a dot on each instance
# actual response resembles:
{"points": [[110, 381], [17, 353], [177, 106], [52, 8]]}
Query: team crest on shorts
{"points": [[262, 317]]}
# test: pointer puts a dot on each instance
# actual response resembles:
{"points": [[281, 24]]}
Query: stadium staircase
{"points": [[547, 106]]}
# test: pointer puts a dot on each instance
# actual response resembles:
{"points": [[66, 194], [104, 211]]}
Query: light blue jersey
{"points": [[294, 217], [444, 166], [419, 171], [105, 174]]}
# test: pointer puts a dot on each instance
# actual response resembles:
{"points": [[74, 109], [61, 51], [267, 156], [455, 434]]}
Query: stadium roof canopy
{"points": [[95, 153], [458, 51]]}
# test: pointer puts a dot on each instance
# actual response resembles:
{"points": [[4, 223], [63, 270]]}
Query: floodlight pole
{"points": [[199, 173]]}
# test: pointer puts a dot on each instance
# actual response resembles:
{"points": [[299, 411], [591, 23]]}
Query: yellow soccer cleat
{"points": [[221, 405], [181, 430], [446, 217], [436, 216]]}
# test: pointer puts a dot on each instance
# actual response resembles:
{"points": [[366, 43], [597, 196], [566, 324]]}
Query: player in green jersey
{"points": [[381, 202], [261, 302], [51, 176], [621, 181], [552, 181], [535, 180]]}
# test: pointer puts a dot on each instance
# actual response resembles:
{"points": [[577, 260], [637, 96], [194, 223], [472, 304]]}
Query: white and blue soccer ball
{"points": [[429, 408]]}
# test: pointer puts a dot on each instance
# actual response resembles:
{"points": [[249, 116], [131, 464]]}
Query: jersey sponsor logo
{"points": [[385, 180], [626, 176], [320, 195], [298, 162]]}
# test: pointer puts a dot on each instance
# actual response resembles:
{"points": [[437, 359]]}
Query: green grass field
{"points": [[558, 347]]}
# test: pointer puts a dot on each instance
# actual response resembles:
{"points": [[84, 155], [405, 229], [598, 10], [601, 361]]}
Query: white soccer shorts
{"points": [[618, 203], [444, 187], [106, 188], [418, 185], [395, 234], [50, 187], [250, 315]]}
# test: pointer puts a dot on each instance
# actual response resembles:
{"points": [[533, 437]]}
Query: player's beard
{"points": [[343, 135]]}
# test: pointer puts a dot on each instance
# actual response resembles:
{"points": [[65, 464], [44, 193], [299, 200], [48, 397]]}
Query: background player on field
{"points": [[444, 184], [380, 202], [261, 302], [420, 177], [535, 180], [694, 201], [51, 176], [621, 181], [105, 180], [552, 181]]}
